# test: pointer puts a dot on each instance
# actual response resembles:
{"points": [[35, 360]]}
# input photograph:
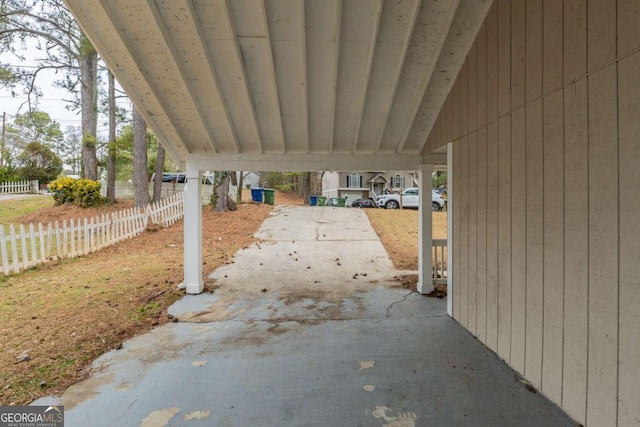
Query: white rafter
{"points": [[397, 74], [129, 87], [177, 63], [423, 88], [287, 77], [372, 50], [203, 45]]}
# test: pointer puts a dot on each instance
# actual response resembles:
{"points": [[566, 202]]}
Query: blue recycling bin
{"points": [[256, 194], [313, 201]]}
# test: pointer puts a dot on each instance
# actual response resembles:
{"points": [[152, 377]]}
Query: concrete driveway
{"points": [[306, 328]]}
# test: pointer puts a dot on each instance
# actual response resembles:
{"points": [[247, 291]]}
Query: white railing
{"points": [[19, 187], [28, 246], [439, 261]]}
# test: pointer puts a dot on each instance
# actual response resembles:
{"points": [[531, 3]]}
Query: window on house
{"points": [[354, 180], [397, 181]]}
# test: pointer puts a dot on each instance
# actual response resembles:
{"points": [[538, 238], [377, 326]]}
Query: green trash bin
{"points": [[341, 202], [321, 200], [269, 196]]}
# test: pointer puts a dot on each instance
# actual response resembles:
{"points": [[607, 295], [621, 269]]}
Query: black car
{"points": [[364, 203]]}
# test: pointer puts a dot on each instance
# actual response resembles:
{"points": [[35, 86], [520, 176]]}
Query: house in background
{"points": [[361, 185]]}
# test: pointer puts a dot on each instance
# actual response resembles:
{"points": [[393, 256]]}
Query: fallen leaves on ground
{"points": [[57, 318]]}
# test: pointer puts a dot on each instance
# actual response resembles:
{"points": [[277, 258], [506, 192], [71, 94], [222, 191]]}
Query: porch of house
{"points": [[308, 327]]}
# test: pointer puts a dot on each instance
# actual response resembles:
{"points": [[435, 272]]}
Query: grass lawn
{"points": [[11, 211], [398, 232], [55, 319]]}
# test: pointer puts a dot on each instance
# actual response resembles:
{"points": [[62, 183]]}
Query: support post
{"points": [[425, 238], [450, 289], [193, 282]]}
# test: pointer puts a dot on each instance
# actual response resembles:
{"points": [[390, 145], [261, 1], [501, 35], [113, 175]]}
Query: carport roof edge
{"points": [[273, 83]]}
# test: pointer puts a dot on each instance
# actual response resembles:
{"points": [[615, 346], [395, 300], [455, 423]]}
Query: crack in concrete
{"points": [[404, 298]]}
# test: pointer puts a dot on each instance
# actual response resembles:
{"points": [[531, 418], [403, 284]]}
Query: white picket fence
{"points": [[31, 245], [19, 187]]}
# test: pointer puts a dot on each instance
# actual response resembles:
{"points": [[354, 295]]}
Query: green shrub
{"points": [[83, 192]]}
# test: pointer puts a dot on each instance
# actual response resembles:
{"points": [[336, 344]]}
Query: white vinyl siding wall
{"points": [[545, 123]]}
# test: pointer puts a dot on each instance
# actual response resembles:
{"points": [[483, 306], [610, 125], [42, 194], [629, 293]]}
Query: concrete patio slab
{"points": [[315, 349]]}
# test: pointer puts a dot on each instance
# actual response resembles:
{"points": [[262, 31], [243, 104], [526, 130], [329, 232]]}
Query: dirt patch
{"points": [[70, 211]]}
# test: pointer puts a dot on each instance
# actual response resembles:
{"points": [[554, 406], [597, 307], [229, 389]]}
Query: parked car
{"points": [[410, 199], [441, 190], [364, 203], [180, 178]]}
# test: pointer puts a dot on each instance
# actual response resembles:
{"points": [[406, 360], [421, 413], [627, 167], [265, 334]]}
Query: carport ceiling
{"points": [[244, 82]]}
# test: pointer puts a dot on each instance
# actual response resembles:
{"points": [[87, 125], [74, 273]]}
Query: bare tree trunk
{"points": [[157, 178], [316, 182], [240, 184], [222, 190], [89, 102], [305, 186], [111, 162], [140, 174]]}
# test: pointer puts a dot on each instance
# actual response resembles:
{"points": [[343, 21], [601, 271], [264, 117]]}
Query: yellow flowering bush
{"points": [[62, 189], [83, 192], [87, 193]]}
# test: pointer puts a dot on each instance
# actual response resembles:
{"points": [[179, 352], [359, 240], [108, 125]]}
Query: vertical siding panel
{"points": [[628, 28], [473, 201], [481, 81], [533, 362], [518, 238], [445, 115], [504, 56], [553, 245], [457, 295], [449, 107], [552, 46], [492, 63], [455, 108], [504, 238], [518, 49], [629, 110], [492, 237], [575, 40], [464, 99], [576, 249], [534, 50], [472, 86], [603, 248], [601, 35], [481, 271], [602, 30], [464, 231]]}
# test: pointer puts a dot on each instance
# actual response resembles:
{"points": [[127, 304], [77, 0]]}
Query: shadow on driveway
{"points": [[307, 327]]}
